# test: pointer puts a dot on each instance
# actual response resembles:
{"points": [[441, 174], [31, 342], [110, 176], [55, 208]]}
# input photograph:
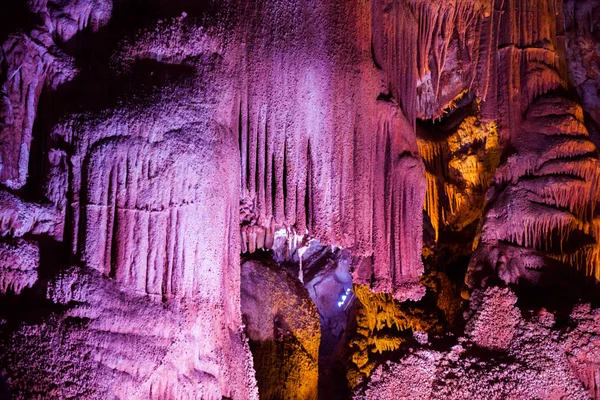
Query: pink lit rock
{"points": [[31, 62], [19, 261], [112, 344], [504, 356], [152, 211], [148, 152], [324, 156], [412, 378], [494, 322], [155, 312], [583, 53], [19, 217], [539, 205]]}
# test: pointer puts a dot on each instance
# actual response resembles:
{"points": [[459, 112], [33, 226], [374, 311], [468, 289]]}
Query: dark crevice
{"points": [[285, 178], [374, 57], [256, 159], [273, 184], [308, 191], [248, 146], [267, 169]]}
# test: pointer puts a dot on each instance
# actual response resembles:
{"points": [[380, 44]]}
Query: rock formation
{"points": [[284, 332], [410, 184], [502, 356]]}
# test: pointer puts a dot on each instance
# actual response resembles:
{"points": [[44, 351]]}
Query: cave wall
{"points": [[145, 146]]}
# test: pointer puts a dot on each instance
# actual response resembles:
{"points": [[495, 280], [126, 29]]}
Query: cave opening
{"points": [[321, 276]]}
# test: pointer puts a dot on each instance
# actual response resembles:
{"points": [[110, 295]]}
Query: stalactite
{"points": [[459, 169], [396, 48], [19, 262], [455, 200], [358, 186], [434, 154], [544, 195], [277, 123], [440, 24], [432, 203], [555, 193]]}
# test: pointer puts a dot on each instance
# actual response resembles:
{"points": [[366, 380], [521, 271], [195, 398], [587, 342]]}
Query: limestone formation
{"points": [[503, 356], [412, 186], [284, 332]]}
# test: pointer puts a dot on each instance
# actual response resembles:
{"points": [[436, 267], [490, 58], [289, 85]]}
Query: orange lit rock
{"points": [[284, 332]]}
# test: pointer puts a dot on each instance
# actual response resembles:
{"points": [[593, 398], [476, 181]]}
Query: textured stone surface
{"points": [[152, 214], [332, 154], [106, 343], [146, 146], [539, 207], [504, 356], [19, 261], [284, 332], [583, 53], [29, 63]]}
